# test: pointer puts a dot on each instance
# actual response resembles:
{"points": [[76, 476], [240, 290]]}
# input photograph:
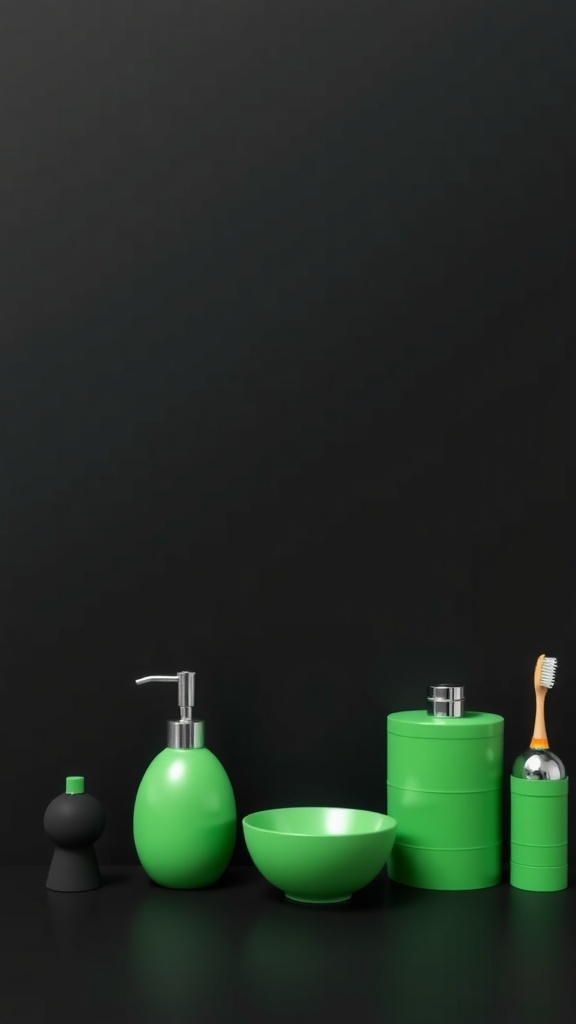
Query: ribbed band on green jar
{"points": [[446, 820], [539, 856], [421, 724], [538, 879], [445, 754], [539, 789], [446, 869], [539, 812], [465, 764]]}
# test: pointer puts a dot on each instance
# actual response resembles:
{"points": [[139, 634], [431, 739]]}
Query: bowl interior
{"points": [[319, 821]]}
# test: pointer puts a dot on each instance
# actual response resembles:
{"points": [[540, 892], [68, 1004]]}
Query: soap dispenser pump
{"points": [[185, 812]]}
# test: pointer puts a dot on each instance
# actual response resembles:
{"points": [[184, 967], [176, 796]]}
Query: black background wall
{"points": [[286, 393]]}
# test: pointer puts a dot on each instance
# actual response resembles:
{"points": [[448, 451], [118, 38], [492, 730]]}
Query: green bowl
{"points": [[319, 854]]}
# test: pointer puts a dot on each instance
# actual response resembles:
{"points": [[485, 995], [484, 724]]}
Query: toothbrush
{"points": [[539, 804], [544, 674]]}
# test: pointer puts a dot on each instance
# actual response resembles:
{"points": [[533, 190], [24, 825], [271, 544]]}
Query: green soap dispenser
{"points": [[185, 811]]}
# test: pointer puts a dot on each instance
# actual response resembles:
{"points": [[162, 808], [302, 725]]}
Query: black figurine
{"points": [[74, 821]]}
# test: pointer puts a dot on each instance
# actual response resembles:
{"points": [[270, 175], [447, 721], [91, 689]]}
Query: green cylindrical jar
{"points": [[445, 770], [539, 822]]}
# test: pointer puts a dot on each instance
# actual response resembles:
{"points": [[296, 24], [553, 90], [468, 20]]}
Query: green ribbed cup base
{"points": [[539, 834], [538, 879], [539, 856]]}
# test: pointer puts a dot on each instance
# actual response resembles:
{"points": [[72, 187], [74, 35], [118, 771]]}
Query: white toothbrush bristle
{"points": [[548, 672]]}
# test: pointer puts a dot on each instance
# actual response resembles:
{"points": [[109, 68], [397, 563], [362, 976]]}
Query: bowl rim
{"points": [[390, 823]]}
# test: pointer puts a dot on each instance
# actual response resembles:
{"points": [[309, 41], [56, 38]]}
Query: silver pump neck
{"points": [[188, 732], [446, 701]]}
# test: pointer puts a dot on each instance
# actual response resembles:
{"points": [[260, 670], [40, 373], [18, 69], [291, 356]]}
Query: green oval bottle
{"points": [[185, 811]]}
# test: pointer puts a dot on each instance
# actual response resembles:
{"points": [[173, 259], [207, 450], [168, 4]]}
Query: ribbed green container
{"points": [[539, 834], [445, 791]]}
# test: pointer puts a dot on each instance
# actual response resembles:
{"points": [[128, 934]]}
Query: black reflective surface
{"points": [[132, 951]]}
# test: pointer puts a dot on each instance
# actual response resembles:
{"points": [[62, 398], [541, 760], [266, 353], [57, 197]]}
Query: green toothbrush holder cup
{"points": [[539, 834]]}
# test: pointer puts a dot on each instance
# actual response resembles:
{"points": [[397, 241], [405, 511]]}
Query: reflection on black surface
{"points": [[539, 955], [73, 916], [180, 951], [86, 979], [445, 960], [302, 963], [286, 961], [413, 957], [134, 952]]}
